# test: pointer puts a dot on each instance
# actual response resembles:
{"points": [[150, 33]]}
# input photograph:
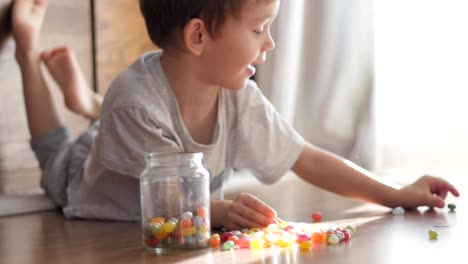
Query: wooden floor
{"points": [[381, 237]]}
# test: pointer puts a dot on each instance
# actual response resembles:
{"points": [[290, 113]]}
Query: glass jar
{"points": [[175, 202]]}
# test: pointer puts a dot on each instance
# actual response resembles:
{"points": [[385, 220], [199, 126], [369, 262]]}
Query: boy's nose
{"points": [[269, 43]]}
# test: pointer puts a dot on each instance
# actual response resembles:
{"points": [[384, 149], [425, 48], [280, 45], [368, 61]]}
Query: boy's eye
{"points": [[258, 32]]}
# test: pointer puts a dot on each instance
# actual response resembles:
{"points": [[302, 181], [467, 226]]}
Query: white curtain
{"points": [[421, 64], [320, 76]]}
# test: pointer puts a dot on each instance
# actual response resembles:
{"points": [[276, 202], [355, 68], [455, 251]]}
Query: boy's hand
{"points": [[427, 191], [246, 211]]}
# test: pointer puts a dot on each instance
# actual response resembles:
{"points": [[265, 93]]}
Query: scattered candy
{"points": [[283, 234], [452, 207], [398, 211], [433, 234], [317, 217]]}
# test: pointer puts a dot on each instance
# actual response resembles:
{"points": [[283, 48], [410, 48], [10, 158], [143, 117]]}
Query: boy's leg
{"points": [[79, 98], [27, 17]]}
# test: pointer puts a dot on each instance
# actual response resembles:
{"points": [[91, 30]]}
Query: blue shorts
{"points": [[61, 159]]}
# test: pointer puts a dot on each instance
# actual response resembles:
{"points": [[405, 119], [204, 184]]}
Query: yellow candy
{"points": [[158, 220], [161, 235], [305, 244], [190, 231], [256, 244], [169, 226]]}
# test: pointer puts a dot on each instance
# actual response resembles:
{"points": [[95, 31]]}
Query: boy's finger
{"points": [[251, 214], [243, 222], [258, 205]]}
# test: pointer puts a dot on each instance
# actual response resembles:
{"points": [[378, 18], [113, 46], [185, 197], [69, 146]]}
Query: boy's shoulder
{"points": [[141, 84]]}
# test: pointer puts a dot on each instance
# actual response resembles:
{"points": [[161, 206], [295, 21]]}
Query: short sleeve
{"points": [[126, 135], [263, 142]]}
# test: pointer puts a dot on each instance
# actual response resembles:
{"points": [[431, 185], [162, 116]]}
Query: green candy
{"points": [[451, 207], [351, 228]]}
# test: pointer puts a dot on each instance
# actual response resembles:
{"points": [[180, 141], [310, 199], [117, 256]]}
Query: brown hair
{"points": [[5, 24], [164, 17]]}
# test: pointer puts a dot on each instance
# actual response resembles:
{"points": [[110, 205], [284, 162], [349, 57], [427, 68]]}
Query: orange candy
{"points": [[317, 237], [234, 239], [202, 211], [185, 223]]}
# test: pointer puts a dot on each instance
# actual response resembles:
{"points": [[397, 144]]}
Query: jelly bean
{"points": [[351, 228], [190, 231], [215, 241], [155, 228], [245, 230], [433, 234], [236, 233], [317, 217], [225, 236], [256, 244], [228, 245], [158, 220], [151, 242], [233, 239], [347, 235], [191, 240], [333, 239], [305, 245], [202, 212], [317, 237], [167, 242], [398, 211], [200, 236], [169, 226], [187, 215], [302, 237], [198, 221], [451, 207], [185, 223], [244, 242], [161, 234]]}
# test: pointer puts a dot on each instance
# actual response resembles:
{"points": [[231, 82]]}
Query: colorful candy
{"points": [[188, 231], [283, 235], [433, 234]]}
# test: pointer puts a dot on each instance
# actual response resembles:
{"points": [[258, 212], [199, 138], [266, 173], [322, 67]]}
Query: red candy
{"points": [[317, 217], [225, 236]]}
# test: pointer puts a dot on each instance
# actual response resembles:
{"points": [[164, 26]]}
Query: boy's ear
{"points": [[195, 36]]}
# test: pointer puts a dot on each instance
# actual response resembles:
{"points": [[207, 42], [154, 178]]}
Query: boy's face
{"points": [[241, 44]]}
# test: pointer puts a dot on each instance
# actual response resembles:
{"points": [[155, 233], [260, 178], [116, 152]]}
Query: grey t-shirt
{"points": [[140, 115]]}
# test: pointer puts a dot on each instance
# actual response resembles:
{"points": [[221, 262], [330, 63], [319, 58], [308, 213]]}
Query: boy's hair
{"points": [[164, 18], [5, 24]]}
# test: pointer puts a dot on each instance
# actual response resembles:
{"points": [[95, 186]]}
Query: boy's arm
{"points": [[335, 174], [343, 177]]}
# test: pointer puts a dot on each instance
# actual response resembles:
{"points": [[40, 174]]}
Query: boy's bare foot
{"points": [[79, 98], [27, 17]]}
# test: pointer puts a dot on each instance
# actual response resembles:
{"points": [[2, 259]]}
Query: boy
{"points": [[194, 96]]}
